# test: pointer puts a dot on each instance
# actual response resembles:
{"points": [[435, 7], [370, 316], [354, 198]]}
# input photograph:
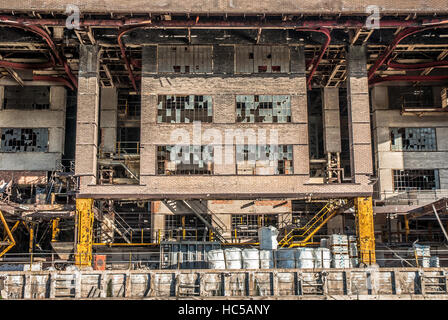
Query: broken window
{"points": [[262, 59], [24, 140], [185, 59], [188, 160], [247, 225], [27, 98], [184, 109], [405, 180], [411, 97], [264, 159], [413, 139], [263, 108]]}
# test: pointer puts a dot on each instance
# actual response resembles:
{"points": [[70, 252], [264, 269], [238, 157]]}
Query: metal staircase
{"points": [[201, 211], [300, 237]]}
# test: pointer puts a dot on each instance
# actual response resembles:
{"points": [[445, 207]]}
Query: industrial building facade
{"points": [[133, 130]]}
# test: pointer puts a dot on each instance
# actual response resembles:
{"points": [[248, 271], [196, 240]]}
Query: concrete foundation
{"points": [[363, 284]]}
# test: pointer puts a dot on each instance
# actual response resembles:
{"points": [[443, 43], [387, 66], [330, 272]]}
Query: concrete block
{"points": [[361, 133], [299, 109], [86, 134], [148, 159], [360, 108], [30, 161], [88, 108], [362, 159], [301, 159], [224, 107], [58, 98], [86, 159]]}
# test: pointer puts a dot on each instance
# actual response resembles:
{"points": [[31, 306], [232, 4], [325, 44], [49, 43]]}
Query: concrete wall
{"points": [[53, 119], [387, 160], [367, 283]]}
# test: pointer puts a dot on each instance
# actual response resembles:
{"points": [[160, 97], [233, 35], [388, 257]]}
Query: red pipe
{"points": [[125, 58], [26, 66], [407, 78], [54, 79], [315, 62], [402, 35], [52, 46], [417, 66]]}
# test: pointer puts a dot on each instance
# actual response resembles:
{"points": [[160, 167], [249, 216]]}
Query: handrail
{"points": [[325, 214], [326, 207]]}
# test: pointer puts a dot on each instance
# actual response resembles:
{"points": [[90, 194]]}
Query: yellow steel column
{"points": [[54, 229], [84, 213], [364, 230]]}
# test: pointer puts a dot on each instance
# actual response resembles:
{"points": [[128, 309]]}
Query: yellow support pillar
{"points": [[9, 239], [84, 217], [54, 229], [365, 230]]}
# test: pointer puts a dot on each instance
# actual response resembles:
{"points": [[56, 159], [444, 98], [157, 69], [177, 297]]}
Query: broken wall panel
{"points": [[262, 59], [185, 59]]}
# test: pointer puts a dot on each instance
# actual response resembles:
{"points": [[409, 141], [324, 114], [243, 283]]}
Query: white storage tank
{"points": [[305, 258], [267, 236], [251, 258], [216, 259], [322, 258], [266, 259], [233, 258], [286, 258]]}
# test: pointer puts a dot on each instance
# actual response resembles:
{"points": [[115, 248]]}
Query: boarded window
{"points": [[184, 59], [413, 139], [24, 140], [27, 98], [416, 180], [261, 108], [264, 159], [188, 160], [262, 59], [184, 109]]}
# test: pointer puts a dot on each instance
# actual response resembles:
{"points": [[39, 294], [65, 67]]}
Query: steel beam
{"points": [[365, 230], [84, 239]]}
